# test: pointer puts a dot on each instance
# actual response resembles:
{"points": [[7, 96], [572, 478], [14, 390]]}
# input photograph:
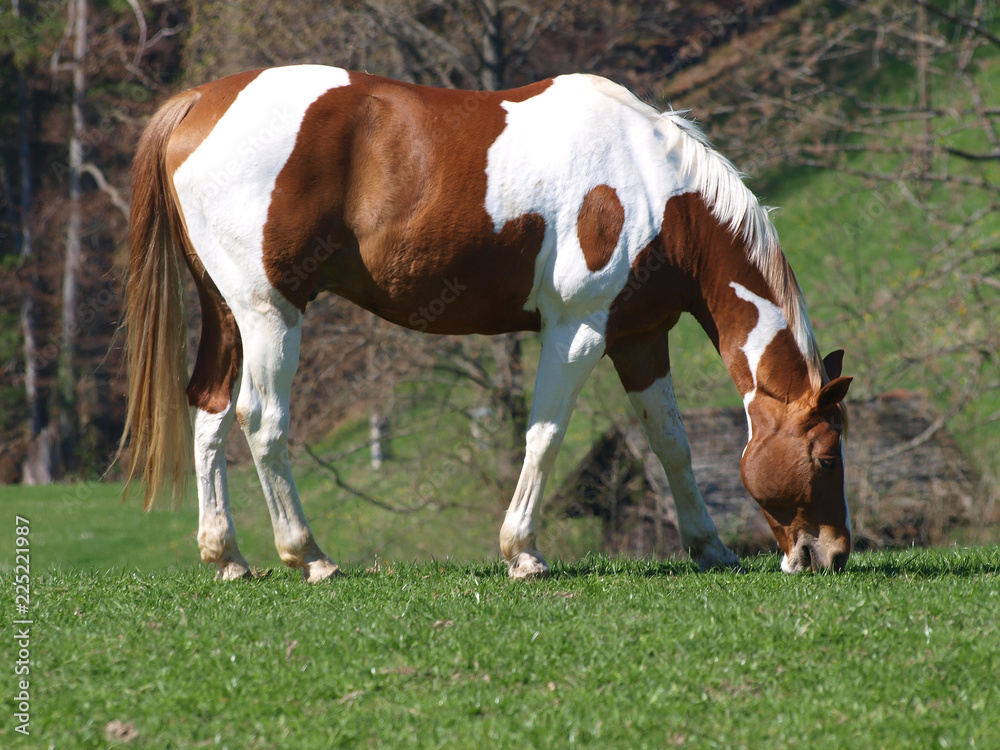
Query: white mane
{"points": [[735, 206]]}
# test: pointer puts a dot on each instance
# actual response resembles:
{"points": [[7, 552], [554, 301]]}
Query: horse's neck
{"points": [[741, 313]]}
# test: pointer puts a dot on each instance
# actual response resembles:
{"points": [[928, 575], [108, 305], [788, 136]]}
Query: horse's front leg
{"points": [[643, 364], [568, 355]]}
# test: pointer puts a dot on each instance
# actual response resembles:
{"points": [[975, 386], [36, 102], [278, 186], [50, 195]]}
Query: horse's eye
{"points": [[828, 464]]}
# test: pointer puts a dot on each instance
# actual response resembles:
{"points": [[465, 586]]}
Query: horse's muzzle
{"points": [[826, 552]]}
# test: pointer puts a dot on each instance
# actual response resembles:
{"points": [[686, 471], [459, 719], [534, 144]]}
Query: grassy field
{"points": [[86, 526], [902, 650]]}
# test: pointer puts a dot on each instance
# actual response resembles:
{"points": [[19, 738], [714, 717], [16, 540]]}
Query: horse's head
{"points": [[793, 467]]}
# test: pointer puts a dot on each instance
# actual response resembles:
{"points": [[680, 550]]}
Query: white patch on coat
{"points": [[555, 148], [786, 566], [224, 186], [585, 131], [770, 321]]}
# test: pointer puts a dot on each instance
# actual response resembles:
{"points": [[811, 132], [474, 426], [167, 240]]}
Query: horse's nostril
{"points": [[814, 562]]}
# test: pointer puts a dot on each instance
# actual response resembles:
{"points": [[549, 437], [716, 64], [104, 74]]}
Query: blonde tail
{"points": [[158, 421]]}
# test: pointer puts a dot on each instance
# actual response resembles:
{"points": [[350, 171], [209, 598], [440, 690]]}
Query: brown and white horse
{"points": [[567, 207]]}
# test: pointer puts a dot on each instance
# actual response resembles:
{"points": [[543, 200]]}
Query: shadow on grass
{"points": [[911, 563], [921, 563], [604, 565], [925, 563]]}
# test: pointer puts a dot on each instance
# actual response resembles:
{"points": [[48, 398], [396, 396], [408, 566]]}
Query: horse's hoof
{"points": [[233, 570], [527, 565], [320, 570], [717, 556]]}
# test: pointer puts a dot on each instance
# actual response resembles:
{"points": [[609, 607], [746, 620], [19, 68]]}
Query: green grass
{"points": [[86, 526], [902, 650]]}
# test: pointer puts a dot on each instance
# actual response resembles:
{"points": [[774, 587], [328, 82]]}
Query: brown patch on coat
{"points": [[661, 283], [688, 267], [599, 225], [220, 349], [383, 202], [640, 360]]}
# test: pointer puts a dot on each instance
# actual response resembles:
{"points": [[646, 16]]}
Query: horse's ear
{"points": [[832, 393], [834, 363]]}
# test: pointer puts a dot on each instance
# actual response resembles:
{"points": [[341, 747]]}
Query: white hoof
{"points": [[320, 569], [526, 565], [233, 570]]}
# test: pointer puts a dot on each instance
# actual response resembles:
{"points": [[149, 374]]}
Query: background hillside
{"points": [[875, 126]]}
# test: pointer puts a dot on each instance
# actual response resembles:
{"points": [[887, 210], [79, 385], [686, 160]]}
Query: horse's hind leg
{"points": [[271, 333], [568, 355], [212, 393], [216, 533], [643, 365]]}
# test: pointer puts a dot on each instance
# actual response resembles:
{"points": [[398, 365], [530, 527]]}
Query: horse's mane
{"points": [[735, 206]]}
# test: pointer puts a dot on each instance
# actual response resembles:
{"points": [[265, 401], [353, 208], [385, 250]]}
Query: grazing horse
{"points": [[567, 207]]}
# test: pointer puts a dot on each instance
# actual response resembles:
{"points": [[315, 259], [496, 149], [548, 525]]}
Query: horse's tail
{"points": [[157, 417]]}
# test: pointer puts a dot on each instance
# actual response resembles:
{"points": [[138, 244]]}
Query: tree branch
{"points": [[992, 156], [361, 495], [107, 188], [968, 23], [140, 19]]}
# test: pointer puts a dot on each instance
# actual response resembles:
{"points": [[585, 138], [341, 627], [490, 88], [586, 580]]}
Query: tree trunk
{"points": [[379, 421], [69, 419], [493, 75], [380, 439], [41, 463]]}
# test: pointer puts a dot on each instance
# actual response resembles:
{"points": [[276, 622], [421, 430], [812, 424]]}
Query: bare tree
{"points": [[76, 30], [42, 461]]}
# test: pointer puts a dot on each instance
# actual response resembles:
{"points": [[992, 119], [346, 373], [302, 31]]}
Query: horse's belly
{"points": [[443, 296]]}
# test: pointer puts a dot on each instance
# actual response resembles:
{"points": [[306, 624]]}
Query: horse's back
{"points": [[395, 196]]}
